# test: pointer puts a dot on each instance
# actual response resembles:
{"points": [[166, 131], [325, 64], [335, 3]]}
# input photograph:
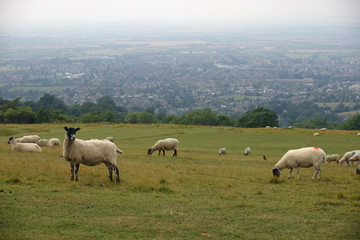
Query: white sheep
{"points": [[165, 144], [333, 158], [90, 153], [316, 134], [222, 151], [247, 151], [29, 139], [302, 157], [23, 147], [43, 142], [355, 157], [323, 129], [346, 157], [54, 142]]}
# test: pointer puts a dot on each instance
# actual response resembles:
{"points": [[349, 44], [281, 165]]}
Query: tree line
{"points": [[49, 109]]}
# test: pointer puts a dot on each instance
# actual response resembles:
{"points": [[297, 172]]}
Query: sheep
{"points": [[346, 157], [43, 142], [316, 134], [323, 129], [333, 158], [222, 151], [358, 134], [165, 144], [355, 157], [247, 151], [29, 139], [358, 171], [54, 142], [302, 157], [90, 153], [23, 147]]}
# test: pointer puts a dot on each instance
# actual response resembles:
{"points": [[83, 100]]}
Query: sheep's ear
{"points": [[77, 129], [66, 129]]}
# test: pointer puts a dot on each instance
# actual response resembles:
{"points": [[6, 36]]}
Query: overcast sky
{"points": [[24, 12]]}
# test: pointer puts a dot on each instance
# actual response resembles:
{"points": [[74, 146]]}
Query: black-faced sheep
{"points": [[222, 151], [23, 147], [90, 153], [247, 151], [303, 157], [333, 158], [346, 157], [165, 144], [358, 171]]}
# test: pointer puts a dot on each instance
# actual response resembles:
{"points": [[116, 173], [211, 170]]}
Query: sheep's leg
{"points": [[117, 174], [317, 171], [289, 173], [76, 171], [298, 173], [164, 152], [175, 153], [159, 152], [110, 172], [72, 171]]}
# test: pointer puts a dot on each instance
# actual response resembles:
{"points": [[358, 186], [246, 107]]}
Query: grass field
{"points": [[198, 195]]}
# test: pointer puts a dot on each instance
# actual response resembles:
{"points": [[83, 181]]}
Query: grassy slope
{"points": [[198, 195]]}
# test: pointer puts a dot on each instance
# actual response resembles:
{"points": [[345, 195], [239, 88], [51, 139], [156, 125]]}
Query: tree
{"points": [[259, 117], [43, 115], [201, 117], [224, 120], [352, 123]]}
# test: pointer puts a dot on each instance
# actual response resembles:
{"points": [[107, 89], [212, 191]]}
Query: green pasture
{"points": [[198, 195]]}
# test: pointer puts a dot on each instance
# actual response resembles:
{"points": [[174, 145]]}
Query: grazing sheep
{"points": [[29, 139], [302, 157], [23, 147], [90, 153], [54, 142], [222, 151], [165, 144], [333, 158], [43, 142], [316, 134], [355, 157], [247, 151], [323, 129], [346, 157]]}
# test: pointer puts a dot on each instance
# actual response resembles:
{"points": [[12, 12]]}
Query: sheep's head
{"points": [[150, 151], [71, 133], [10, 140], [276, 172], [358, 171]]}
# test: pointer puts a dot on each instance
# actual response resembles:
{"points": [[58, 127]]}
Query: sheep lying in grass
{"points": [[346, 157], [303, 157], [247, 151], [165, 144], [43, 142], [333, 158], [23, 147], [222, 151], [90, 153], [29, 139], [54, 142]]}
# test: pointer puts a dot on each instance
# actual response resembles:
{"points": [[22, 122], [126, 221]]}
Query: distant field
{"points": [[198, 195]]}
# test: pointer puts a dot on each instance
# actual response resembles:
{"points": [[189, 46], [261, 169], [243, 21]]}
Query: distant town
{"points": [[175, 71]]}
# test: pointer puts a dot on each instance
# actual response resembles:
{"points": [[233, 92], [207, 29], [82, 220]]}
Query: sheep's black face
{"points": [[276, 172], [10, 139], [71, 133], [358, 171], [149, 152]]}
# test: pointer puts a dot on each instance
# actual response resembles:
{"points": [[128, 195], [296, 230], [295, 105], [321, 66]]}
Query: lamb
{"points": [[247, 151], [333, 158], [165, 144], [222, 151], [43, 142], [23, 147], [29, 139], [346, 157], [90, 153], [54, 142], [302, 157]]}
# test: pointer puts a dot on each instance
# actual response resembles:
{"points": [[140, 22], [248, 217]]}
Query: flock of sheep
{"points": [[94, 152]]}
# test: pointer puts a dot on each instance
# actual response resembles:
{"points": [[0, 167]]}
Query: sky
{"points": [[22, 13]]}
